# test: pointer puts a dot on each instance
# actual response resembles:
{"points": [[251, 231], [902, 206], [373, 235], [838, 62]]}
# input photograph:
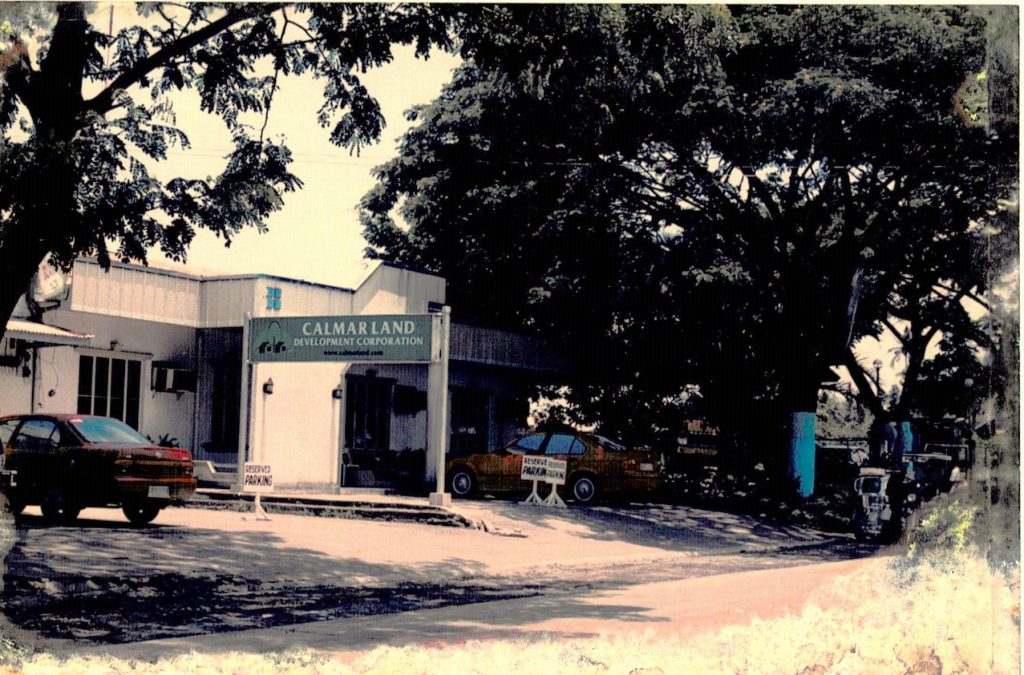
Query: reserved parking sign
{"points": [[257, 478], [544, 470]]}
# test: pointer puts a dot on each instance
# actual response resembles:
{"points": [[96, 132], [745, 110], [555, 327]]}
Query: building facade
{"points": [[163, 351]]}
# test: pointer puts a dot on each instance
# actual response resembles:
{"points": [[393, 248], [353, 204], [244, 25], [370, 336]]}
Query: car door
{"points": [[35, 453], [7, 429]]}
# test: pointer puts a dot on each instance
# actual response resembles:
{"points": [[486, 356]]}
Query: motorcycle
{"points": [[887, 501]]}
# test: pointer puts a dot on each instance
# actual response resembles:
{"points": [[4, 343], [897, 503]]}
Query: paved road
{"points": [[669, 609], [199, 572]]}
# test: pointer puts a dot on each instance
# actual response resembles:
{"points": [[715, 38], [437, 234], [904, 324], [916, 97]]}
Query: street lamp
{"points": [[878, 377], [968, 383]]}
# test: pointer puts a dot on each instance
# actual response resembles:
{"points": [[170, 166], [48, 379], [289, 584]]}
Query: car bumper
{"points": [[642, 483], [170, 490]]}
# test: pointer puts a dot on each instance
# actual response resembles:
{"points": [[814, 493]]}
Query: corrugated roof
{"points": [[33, 331]]}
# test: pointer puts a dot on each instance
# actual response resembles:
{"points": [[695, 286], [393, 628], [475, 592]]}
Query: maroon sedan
{"points": [[65, 463]]}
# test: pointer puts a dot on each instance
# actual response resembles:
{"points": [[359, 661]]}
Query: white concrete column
{"points": [[243, 406], [338, 428], [437, 409]]}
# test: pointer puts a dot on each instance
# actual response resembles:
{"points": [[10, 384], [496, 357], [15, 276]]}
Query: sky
{"points": [[316, 236]]}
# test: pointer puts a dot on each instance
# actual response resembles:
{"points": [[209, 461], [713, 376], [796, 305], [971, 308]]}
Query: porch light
{"points": [[268, 386]]}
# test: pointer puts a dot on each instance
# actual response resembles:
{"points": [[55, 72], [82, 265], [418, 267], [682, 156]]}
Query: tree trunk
{"points": [[801, 452], [873, 400]]}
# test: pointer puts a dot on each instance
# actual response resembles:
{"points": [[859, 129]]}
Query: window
{"points": [[469, 430], [273, 297], [529, 445], [109, 387], [564, 444], [95, 430], [409, 400], [224, 407], [37, 436], [368, 412], [609, 444], [6, 430], [12, 347]]}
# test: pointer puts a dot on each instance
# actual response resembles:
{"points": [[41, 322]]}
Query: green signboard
{"points": [[399, 338]]}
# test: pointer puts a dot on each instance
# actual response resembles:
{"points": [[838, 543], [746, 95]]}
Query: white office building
{"points": [[162, 349]]}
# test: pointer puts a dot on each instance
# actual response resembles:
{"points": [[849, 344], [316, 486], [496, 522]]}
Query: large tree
{"points": [[84, 114], [703, 206]]}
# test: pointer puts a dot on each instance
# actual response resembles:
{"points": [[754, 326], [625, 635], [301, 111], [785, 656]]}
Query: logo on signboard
{"points": [[274, 340]]}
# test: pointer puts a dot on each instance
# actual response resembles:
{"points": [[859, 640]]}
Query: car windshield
{"points": [[609, 444], [105, 430]]}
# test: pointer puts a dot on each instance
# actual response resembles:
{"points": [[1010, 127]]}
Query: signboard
{"points": [[556, 471], [534, 468], [258, 478], [48, 288], [544, 469], [398, 338]]}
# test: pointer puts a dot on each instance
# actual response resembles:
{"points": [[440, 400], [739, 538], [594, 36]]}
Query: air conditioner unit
{"points": [[171, 378]]}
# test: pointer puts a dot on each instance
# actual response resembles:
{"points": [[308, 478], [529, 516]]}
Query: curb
{"points": [[787, 548], [325, 508]]}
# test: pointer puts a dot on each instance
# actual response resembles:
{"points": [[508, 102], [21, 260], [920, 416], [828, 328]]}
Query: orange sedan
{"points": [[596, 466]]}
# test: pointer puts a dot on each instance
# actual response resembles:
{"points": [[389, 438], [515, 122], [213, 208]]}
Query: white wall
{"points": [[137, 292], [15, 392], [57, 380], [389, 290], [296, 429]]}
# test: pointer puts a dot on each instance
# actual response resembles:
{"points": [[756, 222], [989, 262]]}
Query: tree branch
{"points": [[758, 186], [273, 85], [965, 294], [101, 102], [868, 395], [892, 329]]}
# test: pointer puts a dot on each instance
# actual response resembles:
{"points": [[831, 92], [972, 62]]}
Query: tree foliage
{"points": [[715, 206]]}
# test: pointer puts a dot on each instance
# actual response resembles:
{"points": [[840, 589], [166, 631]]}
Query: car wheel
{"points": [[14, 506], [141, 513], [462, 483], [584, 489], [58, 509]]}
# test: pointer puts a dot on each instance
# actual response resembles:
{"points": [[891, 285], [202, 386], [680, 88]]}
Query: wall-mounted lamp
{"points": [[113, 345], [268, 386], [337, 393]]}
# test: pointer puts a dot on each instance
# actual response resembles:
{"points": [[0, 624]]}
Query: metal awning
{"points": [[41, 334]]}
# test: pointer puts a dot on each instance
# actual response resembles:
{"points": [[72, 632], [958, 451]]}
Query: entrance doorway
{"points": [[367, 458]]}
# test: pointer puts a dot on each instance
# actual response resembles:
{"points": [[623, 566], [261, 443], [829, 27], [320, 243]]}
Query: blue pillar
{"points": [[801, 452], [904, 442]]}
